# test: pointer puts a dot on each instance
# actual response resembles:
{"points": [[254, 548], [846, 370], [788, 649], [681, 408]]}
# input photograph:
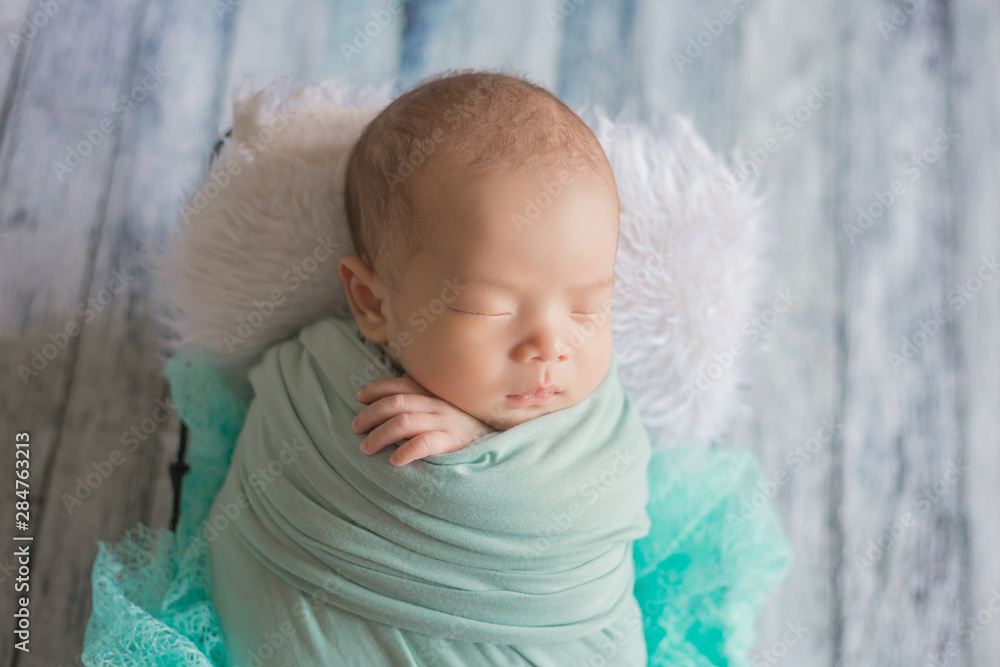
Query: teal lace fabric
{"points": [[703, 573]]}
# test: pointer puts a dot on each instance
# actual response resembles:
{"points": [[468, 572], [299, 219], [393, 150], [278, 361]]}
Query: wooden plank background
{"points": [[891, 517]]}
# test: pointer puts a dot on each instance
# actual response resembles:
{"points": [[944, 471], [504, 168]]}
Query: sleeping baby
{"points": [[451, 474]]}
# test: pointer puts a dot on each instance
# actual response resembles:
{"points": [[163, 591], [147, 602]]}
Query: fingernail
{"points": [[358, 395], [364, 445]]}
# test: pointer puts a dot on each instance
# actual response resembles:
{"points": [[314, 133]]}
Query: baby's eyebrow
{"points": [[490, 281]]}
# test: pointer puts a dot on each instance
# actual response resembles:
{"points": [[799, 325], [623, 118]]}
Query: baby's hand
{"points": [[406, 410]]}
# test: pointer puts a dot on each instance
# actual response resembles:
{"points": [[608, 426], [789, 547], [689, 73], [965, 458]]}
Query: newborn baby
{"points": [[484, 514], [487, 275]]}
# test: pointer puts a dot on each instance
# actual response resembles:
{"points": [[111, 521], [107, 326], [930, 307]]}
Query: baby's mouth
{"points": [[534, 396]]}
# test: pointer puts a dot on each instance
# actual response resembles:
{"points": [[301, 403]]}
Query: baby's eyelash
{"points": [[466, 312]]}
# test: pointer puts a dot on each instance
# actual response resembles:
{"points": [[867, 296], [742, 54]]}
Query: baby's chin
{"points": [[507, 419]]}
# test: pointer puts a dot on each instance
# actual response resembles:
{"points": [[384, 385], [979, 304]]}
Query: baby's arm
{"points": [[401, 408]]}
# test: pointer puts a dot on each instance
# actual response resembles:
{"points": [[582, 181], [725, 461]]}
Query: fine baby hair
{"points": [[471, 121]]}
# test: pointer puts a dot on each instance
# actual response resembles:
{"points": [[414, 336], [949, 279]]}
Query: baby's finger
{"points": [[385, 408], [387, 386], [424, 445], [400, 427]]}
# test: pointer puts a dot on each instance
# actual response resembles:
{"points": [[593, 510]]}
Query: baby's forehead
{"points": [[509, 187], [501, 198], [462, 161]]}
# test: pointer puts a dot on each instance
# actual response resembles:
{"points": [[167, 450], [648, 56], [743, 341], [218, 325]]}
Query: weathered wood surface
{"points": [[77, 238], [784, 49], [882, 79], [975, 177]]}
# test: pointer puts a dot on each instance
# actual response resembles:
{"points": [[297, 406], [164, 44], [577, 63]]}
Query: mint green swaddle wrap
{"points": [[703, 573], [523, 538]]}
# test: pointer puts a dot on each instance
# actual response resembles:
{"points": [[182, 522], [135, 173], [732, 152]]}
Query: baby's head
{"points": [[485, 216]]}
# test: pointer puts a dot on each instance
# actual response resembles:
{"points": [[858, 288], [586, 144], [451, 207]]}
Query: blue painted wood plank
{"points": [[827, 358], [51, 210], [521, 36], [599, 62], [688, 57], [17, 29], [364, 40], [310, 41], [786, 49], [902, 512], [975, 38], [131, 88]]}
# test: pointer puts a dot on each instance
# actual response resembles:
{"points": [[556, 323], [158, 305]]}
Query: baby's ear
{"points": [[364, 296]]}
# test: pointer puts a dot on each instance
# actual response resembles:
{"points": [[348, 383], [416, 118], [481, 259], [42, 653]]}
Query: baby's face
{"points": [[511, 292]]}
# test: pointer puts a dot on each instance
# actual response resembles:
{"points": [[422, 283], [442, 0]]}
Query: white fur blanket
{"points": [[253, 257]]}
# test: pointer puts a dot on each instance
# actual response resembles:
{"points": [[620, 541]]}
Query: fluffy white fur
{"points": [[690, 270]]}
